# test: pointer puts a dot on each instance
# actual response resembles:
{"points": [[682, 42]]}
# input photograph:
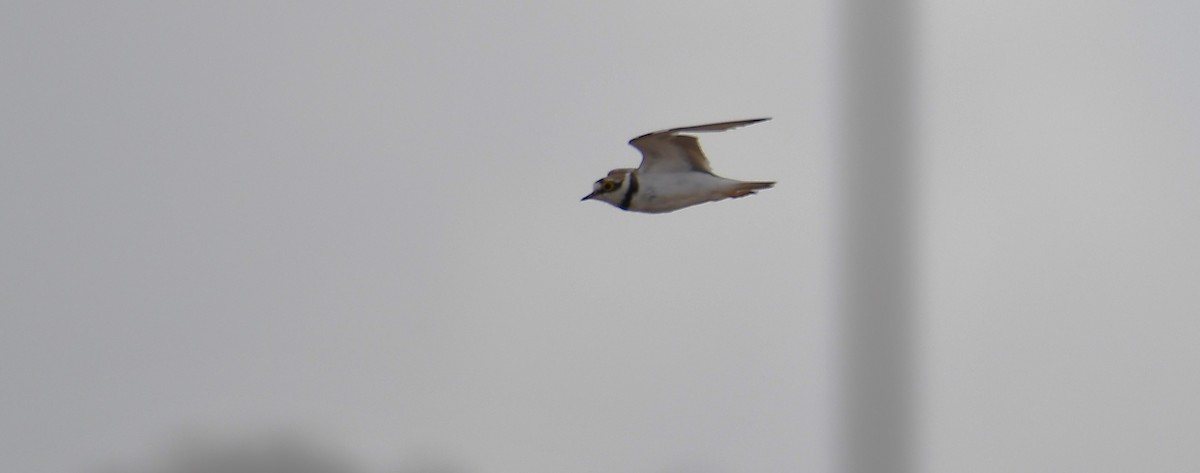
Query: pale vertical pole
{"points": [[875, 237]]}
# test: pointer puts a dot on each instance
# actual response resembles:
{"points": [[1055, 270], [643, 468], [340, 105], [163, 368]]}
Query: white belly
{"points": [[665, 192]]}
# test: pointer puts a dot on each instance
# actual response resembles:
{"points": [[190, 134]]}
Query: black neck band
{"points": [[633, 188]]}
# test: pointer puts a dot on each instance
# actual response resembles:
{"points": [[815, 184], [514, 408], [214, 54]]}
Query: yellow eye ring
{"points": [[608, 187]]}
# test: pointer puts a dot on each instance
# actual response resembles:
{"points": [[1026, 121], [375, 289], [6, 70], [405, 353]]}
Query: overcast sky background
{"points": [[361, 222]]}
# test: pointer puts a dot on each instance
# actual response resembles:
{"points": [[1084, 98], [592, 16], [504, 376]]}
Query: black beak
{"points": [[586, 197]]}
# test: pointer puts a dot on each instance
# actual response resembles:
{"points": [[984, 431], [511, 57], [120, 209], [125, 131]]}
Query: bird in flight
{"points": [[674, 174]]}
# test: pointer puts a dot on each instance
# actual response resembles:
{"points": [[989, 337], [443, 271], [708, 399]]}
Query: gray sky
{"points": [[1062, 215], [361, 222]]}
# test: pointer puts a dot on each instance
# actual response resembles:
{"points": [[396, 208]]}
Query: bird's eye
{"points": [[608, 186]]}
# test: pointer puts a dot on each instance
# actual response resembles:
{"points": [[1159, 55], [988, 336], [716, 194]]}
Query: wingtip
{"points": [[711, 127], [721, 126]]}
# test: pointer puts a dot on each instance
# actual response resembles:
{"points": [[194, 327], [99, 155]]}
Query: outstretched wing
{"points": [[667, 151]]}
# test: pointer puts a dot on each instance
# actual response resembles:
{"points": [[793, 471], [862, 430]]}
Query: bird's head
{"points": [[610, 188]]}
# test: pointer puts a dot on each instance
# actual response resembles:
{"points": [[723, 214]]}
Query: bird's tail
{"points": [[743, 189]]}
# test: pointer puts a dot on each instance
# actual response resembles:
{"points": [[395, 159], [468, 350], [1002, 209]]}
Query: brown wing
{"points": [[665, 151]]}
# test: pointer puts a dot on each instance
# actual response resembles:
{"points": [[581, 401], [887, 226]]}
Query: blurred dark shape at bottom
{"points": [[277, 452], [273, 454], [261, 453]]}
